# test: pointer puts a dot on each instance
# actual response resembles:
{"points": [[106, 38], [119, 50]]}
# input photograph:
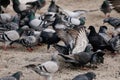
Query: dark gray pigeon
{"points": [[28, 41], [96, 40], [103, 33], [115, 43], [115, 22], [61, 49], [86, 76], [112, 42], [82, 58], [15, 76]]}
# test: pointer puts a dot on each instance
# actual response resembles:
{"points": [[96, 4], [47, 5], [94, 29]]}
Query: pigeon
{"points": [[106, 8], [47, 68], [86, 76], [115, 22], [49, 36], [103, 33], [9, 22], [15, 76], [61, 49], [82, 58], [36, 24], [28, 41], [8, 36], [9, 26], [96, 40], [113, 42]]}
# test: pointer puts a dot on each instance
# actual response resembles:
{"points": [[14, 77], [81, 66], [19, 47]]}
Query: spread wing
{"points": [[81, 42], [115, 4]]}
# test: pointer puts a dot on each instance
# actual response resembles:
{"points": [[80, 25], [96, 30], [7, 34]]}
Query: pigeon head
{"points": [[17, 75], [106, 20], [103, 29], [100, 55], [90, 75], [89, 48], [91, 28], [31, 15], [54, 57], [97, 57], [82, 20]]}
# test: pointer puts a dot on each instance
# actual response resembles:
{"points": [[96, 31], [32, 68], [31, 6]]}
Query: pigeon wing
{"points": [[8, 78], [81, 42]]}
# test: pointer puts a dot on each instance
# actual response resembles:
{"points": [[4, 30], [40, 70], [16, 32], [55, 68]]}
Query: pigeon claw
{"points": [[84, 68], [30, 49]]}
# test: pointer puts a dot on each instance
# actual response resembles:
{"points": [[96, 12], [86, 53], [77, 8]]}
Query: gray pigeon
{"points": [[103, 33], [15, 76], [115, 22], [35, 23], [46, 69], [28, 41], [86, 76], [9, 26], [61, 49], [8, 36], [5, 17], [8, 22]]}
